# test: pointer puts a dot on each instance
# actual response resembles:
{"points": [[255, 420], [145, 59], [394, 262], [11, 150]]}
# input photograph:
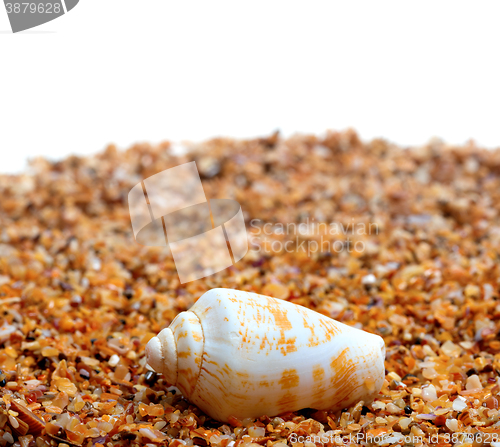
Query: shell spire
{"points": [[161, 352], [246, 355], [176, 351]]}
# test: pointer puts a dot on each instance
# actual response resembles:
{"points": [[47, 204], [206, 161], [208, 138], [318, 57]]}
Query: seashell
{"points": [[245, 355], [25, 416], [18, 426]]}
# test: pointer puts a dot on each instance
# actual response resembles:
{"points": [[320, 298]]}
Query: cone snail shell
{"points": [[246, 355]]}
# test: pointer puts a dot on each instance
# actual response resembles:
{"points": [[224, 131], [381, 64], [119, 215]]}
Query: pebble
{"points": [[150, 377], [8, 437], [378, 405], [429, 373], [114, 360], [473, 383], [405, 422], [393, 409], [459, 404], [50, 352], [452, 424], [429, 393], [369, 279], [256, 432], [450, 349]]}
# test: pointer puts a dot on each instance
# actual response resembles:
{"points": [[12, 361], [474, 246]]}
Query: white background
{"points": [[124, 71]]}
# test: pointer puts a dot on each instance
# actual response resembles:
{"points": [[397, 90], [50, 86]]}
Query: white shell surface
{"points": [[188, 336], [161, 348], [263, 355]]}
